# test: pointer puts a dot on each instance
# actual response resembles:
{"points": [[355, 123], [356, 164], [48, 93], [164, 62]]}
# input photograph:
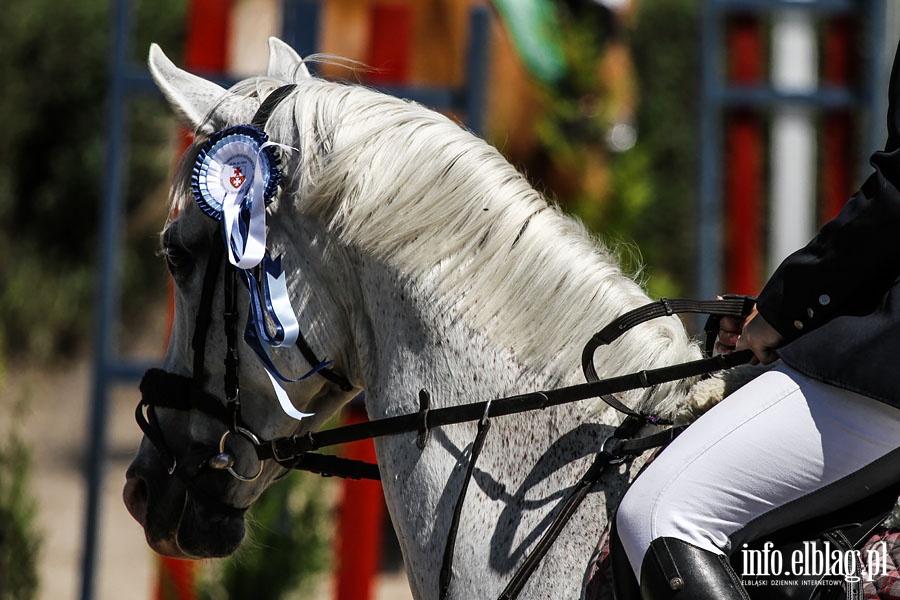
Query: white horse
{"points": [[416, 257]]}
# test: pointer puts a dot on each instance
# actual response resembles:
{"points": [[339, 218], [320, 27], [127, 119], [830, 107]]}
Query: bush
{"points": [[665, 47], [644, 197], [54, 76], [19, 541], [287, 545]]}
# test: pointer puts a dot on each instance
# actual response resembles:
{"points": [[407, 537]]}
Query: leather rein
{"points": [[166, 390]]}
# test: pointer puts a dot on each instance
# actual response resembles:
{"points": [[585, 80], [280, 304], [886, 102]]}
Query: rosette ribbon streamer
{"points": [[244, 213], [235, 177]]}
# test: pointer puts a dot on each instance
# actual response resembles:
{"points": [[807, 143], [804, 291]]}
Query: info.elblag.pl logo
{"points": [[815, 561]]}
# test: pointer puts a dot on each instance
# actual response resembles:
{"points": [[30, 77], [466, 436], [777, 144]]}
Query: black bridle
{"points": [[166, 390], [160, 389]]}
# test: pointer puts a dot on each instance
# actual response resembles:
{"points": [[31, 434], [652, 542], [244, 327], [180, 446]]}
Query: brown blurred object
{"points": [[438, 58], [516, 100]]}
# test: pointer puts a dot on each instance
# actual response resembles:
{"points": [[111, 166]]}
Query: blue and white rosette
{"points": [[235, 176]]}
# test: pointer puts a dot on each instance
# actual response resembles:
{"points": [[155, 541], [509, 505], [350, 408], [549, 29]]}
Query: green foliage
{"points": [[666, 51], [288, 545], [648, 201], [54, 76], [19, 541]]}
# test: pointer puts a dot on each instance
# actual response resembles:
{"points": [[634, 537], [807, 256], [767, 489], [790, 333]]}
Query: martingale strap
{"points": [[579, 492], [622, 443], [446, 574]]}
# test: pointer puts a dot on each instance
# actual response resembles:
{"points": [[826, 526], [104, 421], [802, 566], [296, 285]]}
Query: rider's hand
{"points": [[761, 338], [730, 329]]}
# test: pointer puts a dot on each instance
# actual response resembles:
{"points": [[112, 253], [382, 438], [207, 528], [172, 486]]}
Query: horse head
{"points": [[218, 396]]}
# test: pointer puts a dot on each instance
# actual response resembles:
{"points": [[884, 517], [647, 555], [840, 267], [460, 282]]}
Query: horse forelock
{"points": [[415, 189]]}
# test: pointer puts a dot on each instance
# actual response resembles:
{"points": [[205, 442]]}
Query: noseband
{"points": [[160, 389]]}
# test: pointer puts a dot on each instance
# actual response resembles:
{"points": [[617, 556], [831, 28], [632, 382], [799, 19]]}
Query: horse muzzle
{"points": [[176, 521]]}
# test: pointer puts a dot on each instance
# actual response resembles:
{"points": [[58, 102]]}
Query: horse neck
{"points": [[410, 339], [467, 285], [419, 336]]}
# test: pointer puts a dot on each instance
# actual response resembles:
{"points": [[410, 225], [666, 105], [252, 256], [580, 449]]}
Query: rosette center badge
{"points": [[237, 178]]}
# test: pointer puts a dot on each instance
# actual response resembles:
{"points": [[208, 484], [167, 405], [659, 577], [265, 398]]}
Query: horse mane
{"points": [[431, 199]]}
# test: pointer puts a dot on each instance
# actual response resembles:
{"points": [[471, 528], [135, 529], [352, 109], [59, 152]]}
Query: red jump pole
{"points": [[744, 163], [362, 509], [361, 515], [208, 25], [390, 43], [836, 173]]}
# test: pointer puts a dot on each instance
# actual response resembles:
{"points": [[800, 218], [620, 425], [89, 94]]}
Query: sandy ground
{"points": [[58, 407]]}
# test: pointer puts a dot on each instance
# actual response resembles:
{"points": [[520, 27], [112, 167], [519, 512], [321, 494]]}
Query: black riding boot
{"points": [[675, 570]]}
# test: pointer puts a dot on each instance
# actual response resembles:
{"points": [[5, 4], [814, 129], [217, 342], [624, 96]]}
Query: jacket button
{"points": [[824, 299], [810, 313], [798, 324]]}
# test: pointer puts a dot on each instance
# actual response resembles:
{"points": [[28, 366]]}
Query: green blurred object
{"points": [[534, 28], [54, 77], [288, 545], [19, 540], [646, 207]]}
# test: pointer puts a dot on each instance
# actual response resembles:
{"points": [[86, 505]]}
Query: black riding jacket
{"points": [[837, 300]]}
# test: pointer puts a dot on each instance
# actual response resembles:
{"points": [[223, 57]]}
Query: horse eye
{"points": [[178, 259]]}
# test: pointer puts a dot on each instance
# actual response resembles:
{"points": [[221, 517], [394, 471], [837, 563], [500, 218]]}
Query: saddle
{"points": [[855, 534]]}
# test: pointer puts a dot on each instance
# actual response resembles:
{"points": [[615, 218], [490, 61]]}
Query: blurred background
{"points": [[702, 139]]}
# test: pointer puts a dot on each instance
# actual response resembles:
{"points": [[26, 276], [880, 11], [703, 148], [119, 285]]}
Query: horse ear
{"points": [[190, 96], [284, 62]]}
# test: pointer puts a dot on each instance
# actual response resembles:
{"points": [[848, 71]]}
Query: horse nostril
{"points": [[135, 496]]}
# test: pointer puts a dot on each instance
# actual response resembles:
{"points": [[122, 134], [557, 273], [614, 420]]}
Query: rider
{"points": [[819, 431]]}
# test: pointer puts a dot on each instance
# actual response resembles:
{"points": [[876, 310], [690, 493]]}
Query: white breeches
{"points": [[779, 450]]}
